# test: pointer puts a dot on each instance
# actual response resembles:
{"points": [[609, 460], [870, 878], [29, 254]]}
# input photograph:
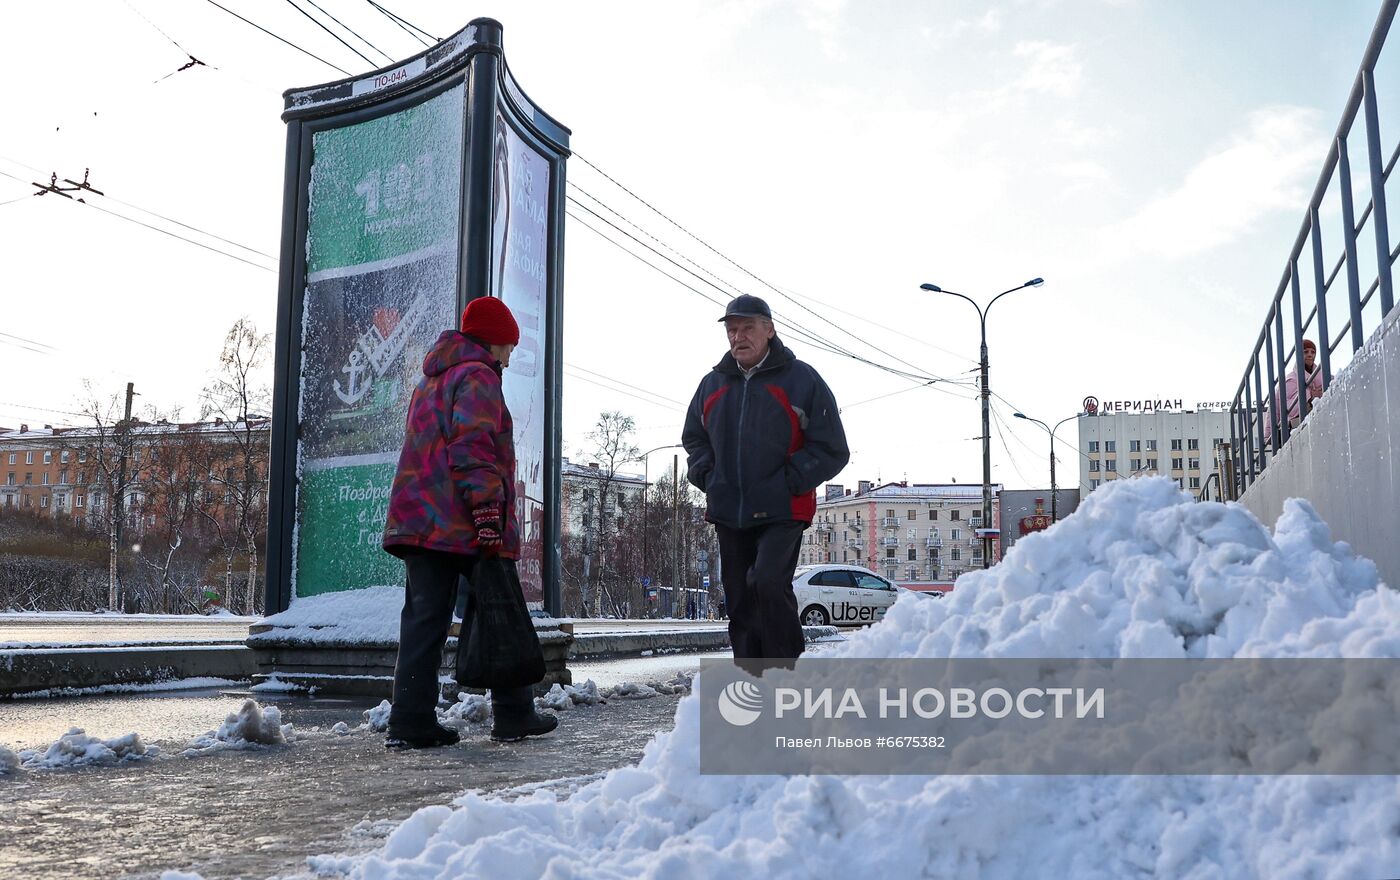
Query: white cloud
{"points": [[1053, 68], [1266, 168]]}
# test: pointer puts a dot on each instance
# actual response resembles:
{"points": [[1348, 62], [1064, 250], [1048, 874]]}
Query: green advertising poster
{"points": [[382, 245]]}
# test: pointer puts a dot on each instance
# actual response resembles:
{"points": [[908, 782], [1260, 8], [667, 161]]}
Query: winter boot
{"points": [[418, 732], [515, 717]]}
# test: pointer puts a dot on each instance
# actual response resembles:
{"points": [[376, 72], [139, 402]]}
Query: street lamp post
{"points": [[646, 494], [1054, 491], [986, 408]]}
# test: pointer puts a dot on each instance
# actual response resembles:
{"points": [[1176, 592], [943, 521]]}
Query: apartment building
{"points": [[920, 536], [1180, 444], [65, 472]]}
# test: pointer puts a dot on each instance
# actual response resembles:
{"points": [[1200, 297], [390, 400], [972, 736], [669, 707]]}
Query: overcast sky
{"points": [[1151, 160]]}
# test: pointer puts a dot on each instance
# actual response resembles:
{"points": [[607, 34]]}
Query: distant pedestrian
{"points": [[452, 504], [1312, 380], [761, 434]]}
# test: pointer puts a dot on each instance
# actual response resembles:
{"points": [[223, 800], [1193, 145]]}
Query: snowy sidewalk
{"points": [[260, 813]]}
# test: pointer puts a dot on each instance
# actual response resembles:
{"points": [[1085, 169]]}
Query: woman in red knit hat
{"points": [[452, 503]]}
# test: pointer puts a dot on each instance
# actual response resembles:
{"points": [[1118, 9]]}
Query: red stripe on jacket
{"points": [[804, 507]]}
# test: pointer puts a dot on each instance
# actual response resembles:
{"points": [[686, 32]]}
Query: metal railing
{"points": [[1261, 419], [889, 542]]}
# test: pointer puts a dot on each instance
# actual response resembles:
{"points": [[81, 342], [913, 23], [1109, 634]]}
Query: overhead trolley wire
{"points": [[322, 26], [405, 24], [387, 56], [279, 38]]}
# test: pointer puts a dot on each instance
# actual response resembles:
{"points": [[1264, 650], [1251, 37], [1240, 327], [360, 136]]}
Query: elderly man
{"points": [[761, 434]]}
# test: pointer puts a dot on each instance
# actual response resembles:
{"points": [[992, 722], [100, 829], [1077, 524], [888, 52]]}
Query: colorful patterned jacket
{"points": [[458, 454]]}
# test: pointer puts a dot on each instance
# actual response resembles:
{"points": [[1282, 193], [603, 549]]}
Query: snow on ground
{"points": [[76, 749], [1138, 571], [179, 684], [369, 616], [251, 726]]}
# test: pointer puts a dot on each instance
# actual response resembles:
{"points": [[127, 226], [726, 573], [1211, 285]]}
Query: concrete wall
{"points": [[1343, 457]]}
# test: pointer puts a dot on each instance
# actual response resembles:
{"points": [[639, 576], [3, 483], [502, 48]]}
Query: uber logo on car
{"points": [[845, 595]]}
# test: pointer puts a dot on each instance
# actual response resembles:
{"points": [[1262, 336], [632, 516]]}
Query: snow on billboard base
{"points": [[1138, 571]]}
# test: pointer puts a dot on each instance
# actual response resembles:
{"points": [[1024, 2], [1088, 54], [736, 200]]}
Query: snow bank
{"points": [[1138, 571], [76, 749], [249, 727], [353, 617], [8, 760], [469, 709]]}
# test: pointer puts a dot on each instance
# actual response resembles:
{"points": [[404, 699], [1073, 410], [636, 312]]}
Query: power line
{"points": [[796, 300], [175, 235], [386, 55], [654, 403], [182, 49], [318, 24], [625, 385], [282, 39], [404, 24]]}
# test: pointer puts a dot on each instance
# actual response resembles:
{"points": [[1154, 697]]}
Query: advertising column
{"points": [[382, 248]]}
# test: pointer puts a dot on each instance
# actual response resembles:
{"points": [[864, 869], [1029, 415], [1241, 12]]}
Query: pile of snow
{"points": [[469, 709], [1138, 571], [8, 760], [561, 697], [377, 719], [76, 749], [351, 617], [251, 726], [340, 728]]}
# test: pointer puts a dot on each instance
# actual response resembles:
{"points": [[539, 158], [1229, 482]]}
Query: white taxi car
{"points": [[844, 595]]}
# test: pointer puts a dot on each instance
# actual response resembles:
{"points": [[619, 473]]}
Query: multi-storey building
{"points": [[1176, 444], [68, 472], [582, 485], [920, 536]]}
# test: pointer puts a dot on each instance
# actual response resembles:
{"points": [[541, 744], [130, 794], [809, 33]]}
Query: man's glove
{"points": [[488, 530]]}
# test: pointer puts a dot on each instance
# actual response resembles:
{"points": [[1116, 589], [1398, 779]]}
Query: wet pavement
{"points": [[261, 813]]}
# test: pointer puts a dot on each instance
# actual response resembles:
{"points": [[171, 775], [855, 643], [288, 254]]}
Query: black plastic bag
{"points": [[498, 647]]}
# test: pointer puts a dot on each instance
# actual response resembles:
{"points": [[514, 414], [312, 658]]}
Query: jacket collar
{"points": [[779, 355]]}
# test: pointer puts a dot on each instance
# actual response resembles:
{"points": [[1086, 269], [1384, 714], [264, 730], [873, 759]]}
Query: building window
{"points": [[1194, 464], [957, 514], [44, 478], [82, 455], [1135, 464], [78, 501], [1111, 465], [1176, 464], [1110, 446], [889, 552], [29, 479], [1195, 482], [48, 458], [1093, 446], [29, 458], [1193, 443], [955, 554], [1093, 484], [1176, 445], [957, 533], [1215, 444], [63, 457], [44, 501], [1151, 445], [1152, 464], [913, 554], [976, 554], [59, 501], [12, 458], [1134, 445], [913, 514], [932, 514], [62, 477], [1093, 465], [845, 516]]}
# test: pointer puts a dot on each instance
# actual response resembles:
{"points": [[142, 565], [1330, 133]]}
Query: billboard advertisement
{"points": [[381, 283]]}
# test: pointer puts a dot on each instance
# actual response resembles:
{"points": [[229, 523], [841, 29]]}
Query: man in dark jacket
{"points": [[453, 502], [761, 434]]}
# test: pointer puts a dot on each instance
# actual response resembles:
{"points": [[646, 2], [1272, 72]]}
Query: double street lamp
{"points": [[986, 409], [1054, 491]]}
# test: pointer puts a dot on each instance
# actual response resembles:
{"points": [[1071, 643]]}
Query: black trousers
{"points": [[428, 600], [757, 566]]}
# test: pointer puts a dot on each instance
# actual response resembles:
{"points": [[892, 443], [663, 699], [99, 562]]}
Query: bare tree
{"points": [[173, 484], [108, 447], [602, 500], [239, 398]]}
